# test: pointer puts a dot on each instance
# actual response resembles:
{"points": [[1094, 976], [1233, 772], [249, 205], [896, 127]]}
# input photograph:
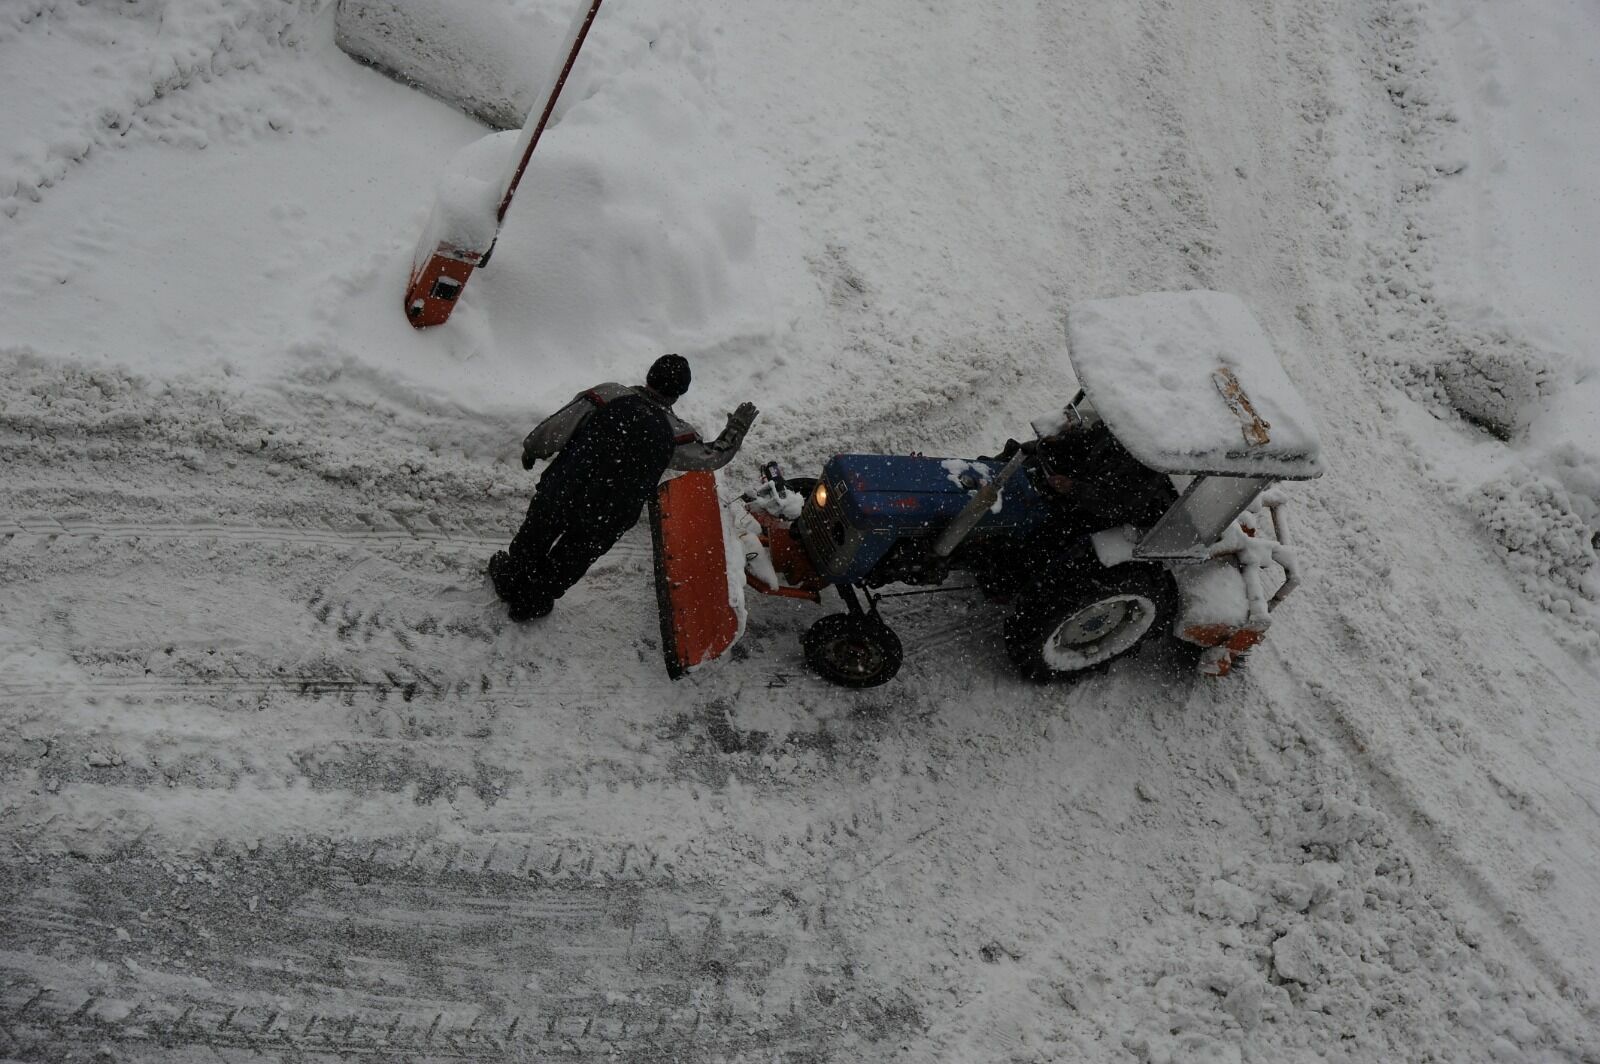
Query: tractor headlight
{"points": [[821, 495]]}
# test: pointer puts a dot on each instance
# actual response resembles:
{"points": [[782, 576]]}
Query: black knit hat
{"points": [[669, 376]]}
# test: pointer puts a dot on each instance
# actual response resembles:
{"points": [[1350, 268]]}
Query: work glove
{"points": [[743, 417]]}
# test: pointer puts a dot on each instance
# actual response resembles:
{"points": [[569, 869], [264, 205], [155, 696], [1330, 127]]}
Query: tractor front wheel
{"points": [[1069, 630], [852, 650]]}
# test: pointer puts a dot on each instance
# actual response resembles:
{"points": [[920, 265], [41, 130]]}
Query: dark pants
{"points": [[591, 494]]}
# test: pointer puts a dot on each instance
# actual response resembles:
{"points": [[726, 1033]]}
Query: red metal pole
{"points": [[587, 20]]}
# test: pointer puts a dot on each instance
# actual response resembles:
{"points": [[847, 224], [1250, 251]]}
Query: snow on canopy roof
{"points": [[1188, 382]]}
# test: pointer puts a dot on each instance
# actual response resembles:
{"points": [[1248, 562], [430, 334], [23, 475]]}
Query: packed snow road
{"points": [[278, 779]]}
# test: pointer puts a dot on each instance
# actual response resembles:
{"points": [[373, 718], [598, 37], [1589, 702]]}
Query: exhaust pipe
{"points": [[961, 526]]}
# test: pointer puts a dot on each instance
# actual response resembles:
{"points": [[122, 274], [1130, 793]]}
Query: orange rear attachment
{"points": [[698, 620], [1226, 645]]}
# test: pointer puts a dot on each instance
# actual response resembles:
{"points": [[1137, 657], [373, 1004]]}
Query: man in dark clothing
{"points": [[610, 446]]}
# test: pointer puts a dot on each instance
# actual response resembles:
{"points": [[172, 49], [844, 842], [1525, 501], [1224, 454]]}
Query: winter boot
{"points": [[523, 597], [505, 584], [530, 606]]}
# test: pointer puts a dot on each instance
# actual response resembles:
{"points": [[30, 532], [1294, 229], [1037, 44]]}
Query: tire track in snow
{"points": [[1407, 810], [417, 688], [157, 67], [51, 528], [493, 948], [1362, 571], [15, 531]]}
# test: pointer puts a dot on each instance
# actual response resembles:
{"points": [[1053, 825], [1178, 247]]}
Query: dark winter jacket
{"points": [[689, 451], [606, 472]]}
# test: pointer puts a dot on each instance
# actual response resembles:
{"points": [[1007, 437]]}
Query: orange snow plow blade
{"points": [[698, 619]]}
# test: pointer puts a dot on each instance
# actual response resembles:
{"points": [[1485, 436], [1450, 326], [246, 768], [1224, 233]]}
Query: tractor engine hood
{"points": [[875, 501], [912, 496]]}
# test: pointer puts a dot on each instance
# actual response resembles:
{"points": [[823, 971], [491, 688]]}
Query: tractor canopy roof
{"points": [[1188, 383]]}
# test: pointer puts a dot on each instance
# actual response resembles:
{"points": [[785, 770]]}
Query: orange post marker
{"points": [[436, 284]]}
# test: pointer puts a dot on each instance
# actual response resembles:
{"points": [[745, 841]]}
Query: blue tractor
{"points": [[1144, 507], [875, 521]]}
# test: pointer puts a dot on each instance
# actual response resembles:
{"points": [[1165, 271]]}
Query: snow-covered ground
{"points": [[277, 777]]}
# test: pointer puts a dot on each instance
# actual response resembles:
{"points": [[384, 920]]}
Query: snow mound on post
{"points": [[600, 257], [633, 232], [1151, 366], [468, 195]]}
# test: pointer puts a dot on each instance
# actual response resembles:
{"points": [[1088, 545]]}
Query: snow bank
{"points": [[1549, 544], [635, 230], [484, 58], [238, 165], [1500, 385], [124, 75], [602, 262], [1485, 290]]}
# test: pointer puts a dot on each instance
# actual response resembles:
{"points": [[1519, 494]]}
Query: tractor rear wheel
{"points": [[852, 650], [1076, 626]]}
